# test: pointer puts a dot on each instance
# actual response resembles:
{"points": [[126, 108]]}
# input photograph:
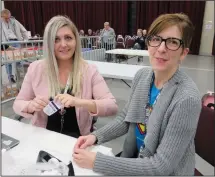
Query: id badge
{"points": [[52, 108], [148, 110]]}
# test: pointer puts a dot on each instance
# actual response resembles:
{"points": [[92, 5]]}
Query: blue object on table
{"points": [[86, 49]]}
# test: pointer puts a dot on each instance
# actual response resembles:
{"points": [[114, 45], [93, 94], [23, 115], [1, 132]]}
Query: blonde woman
{"points": [[63, 75]]}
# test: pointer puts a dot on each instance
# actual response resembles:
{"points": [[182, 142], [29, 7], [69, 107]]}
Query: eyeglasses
{"points": [[170, 43]]}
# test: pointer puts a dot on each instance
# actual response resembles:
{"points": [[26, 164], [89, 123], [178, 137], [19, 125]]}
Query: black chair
{"points": [[129, 43], [119, 58], [204, 139]]}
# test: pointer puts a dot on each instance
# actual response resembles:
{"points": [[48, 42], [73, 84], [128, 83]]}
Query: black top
{"points": [[70, 126], [5, 45], [141, 42]]}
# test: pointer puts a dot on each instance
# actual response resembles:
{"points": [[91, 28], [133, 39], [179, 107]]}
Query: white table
{"points": [[117, 71], [33, 139], [128, 52]]}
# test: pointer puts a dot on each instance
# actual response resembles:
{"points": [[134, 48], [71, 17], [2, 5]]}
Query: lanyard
{"points": [[67, 85], [156, 98], [63, 111], [149, 107], [149, 93]]}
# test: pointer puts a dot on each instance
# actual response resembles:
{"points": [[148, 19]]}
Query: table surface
{"points": [[33, 139], [117, 70], [128, 52]]}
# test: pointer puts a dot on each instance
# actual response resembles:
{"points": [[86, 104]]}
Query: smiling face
{"points": [[65, 44], [139, 33], [90, 31], [163, 59]]}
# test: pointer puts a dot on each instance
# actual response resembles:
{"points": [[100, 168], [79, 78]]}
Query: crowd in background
{"points": [[97, 36]]}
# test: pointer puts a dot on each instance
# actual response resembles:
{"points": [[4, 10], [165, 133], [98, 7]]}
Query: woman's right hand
{"points": [[85, 141], [37, 104]]}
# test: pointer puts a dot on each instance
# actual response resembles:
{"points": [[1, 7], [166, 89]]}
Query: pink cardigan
{"points": [[94, 87]]}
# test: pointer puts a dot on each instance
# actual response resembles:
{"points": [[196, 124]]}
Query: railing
{"points": [[27, 50], [97, 42], [93, 48], [17, 60]]}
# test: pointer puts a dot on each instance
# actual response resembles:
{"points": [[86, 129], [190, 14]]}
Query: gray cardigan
{"points": [[169, 142]]}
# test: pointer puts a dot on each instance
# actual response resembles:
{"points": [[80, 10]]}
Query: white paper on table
{"points": [[102, 149], [98, 148], [17, 161]]}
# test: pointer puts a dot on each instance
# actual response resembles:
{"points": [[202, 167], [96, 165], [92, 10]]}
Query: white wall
{"points": [[207, 34], [2, 5]]}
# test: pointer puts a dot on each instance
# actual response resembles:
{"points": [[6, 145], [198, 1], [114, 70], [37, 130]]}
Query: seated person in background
{"points": [[144, 32], [97, 40], [90, 32], [63, 75], [140, 40], [89, 40], [97, 32], [162, 113], [83, 40], [81, 33], [144, 36]]}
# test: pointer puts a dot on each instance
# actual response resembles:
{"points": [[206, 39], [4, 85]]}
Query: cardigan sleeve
{"points": [[103, 98], [118, 126]]}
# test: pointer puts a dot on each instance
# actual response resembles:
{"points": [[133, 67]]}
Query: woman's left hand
{"points": [[84, 158], [67, 100]]}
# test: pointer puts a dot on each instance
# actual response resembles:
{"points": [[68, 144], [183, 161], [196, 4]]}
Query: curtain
{"points": [[28, 13], [34, 15]]}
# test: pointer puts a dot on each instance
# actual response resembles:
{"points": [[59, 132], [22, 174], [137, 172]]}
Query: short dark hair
{"points": [[179, 19]]}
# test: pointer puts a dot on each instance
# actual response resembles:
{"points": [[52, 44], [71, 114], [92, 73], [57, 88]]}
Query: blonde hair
{"points": [[54, 24], [179, 19]]}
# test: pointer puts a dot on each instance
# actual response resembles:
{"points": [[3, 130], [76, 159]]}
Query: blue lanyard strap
{"points": [[149, 107], [149, 93]]}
